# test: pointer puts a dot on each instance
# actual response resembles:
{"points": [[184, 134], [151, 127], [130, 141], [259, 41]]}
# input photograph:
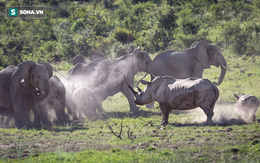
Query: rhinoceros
{"points": [[178, 94], [246, 107]]}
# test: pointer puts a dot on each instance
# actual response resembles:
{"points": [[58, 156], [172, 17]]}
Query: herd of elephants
{"points": [[176, 84]]}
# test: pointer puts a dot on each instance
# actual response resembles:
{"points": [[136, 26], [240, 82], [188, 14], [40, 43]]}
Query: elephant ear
{"points": [[49, 68], [24, 69], [201, 53]]}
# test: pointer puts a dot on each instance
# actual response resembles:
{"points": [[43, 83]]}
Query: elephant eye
{"points": [[146, 63], [39, 77]]}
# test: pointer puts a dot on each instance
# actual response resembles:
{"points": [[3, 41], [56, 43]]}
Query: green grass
{"points": [[186, 139]]}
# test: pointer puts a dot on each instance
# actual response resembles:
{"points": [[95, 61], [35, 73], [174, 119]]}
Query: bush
{"points": [[120, 49], [123, 35]]}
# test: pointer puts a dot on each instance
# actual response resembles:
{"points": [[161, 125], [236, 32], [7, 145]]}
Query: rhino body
{"points": [[179, 94]]}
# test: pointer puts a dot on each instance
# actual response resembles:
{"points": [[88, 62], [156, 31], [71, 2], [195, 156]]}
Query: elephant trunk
{"points": [[40, 93], [223, 66]]}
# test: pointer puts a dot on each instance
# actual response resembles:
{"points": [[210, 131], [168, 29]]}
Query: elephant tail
{"points": [[215, 88]]}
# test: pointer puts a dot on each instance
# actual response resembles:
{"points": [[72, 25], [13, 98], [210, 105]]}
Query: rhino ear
{"points": [[236, 96], [145, 82]]}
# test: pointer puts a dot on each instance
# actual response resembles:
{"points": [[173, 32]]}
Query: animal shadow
{"points": [[225, 122], [120, 115]]}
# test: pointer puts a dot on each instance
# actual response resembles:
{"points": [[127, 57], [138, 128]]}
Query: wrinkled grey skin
{"points": [[105, 77], [85, 102], [55, 101], [21, 86], [246, 107], [190, 62], [179, 94]]}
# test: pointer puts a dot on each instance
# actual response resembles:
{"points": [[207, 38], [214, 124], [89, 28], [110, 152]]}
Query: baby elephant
{"points": [[85, 102], [179, 94], [246, 107]]}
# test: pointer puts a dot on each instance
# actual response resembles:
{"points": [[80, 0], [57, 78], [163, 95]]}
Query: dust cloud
{"points": [[224, 113]]}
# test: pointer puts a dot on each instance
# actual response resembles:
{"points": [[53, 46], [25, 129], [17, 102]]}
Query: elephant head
{"points": [[207, 55], [37, 76], [143, 60], [77, 59]]}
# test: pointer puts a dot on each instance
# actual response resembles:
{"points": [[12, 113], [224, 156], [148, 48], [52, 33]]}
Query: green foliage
{"points": [[73, 28], [119, 49], [123, 35]]}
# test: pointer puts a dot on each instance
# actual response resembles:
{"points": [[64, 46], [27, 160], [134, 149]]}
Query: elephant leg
{"points": [[131, 100], [61, 100], [97, 105], [72, 109], [8, 120], [165, 112], [18, 113], [37, 113]]}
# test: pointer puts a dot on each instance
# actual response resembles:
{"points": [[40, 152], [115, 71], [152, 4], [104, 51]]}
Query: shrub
{"points": [[123, 35], [120, 49]]}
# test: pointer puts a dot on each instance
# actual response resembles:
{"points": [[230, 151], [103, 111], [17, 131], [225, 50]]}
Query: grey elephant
{"points": [[85, 102], [102, 76], [21, 86], [246, 107], [179, 94], [55, 101], [190, 62]]}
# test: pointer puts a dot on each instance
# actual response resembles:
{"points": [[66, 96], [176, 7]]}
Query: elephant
{"points": [[246, 107], [55, 101], [21, 86], [190, 62], [102, 76], [85, 102], [178, 94]]}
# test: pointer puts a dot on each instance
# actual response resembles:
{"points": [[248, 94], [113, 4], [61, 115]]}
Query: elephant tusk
{"points": [[22, 81], [226, 68]]}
